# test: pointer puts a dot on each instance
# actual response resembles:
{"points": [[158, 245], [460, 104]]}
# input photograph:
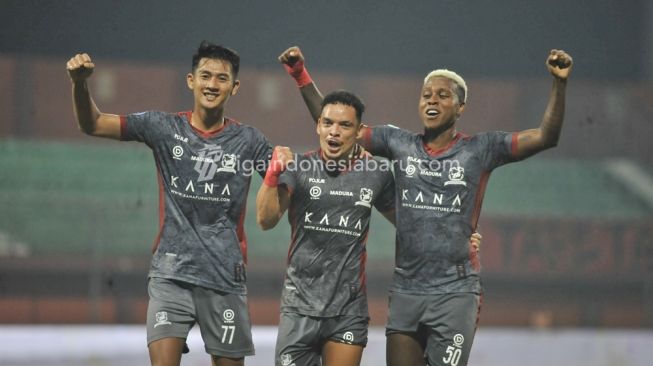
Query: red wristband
{"points": [[271, 180], [299, 73], [274, 171]]}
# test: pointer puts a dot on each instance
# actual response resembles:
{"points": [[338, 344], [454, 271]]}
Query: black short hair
{"points": [[210, 50], [346, 98]]}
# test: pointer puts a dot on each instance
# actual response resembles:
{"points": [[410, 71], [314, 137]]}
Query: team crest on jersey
{"points": [[365, 198], [228, 163], [161, 318], [286, 360], [456, 176]]}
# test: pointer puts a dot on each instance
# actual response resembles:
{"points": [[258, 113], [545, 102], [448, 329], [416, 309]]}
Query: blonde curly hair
{"points": [[461, 86]]}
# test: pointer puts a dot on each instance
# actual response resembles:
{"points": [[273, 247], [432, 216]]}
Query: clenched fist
{"points": [[291, 56], [80, 67], [559, 64]]}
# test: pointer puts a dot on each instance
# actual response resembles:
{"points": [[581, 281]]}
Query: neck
{"points": [[207, 120], [437, 138], [342, 160]]}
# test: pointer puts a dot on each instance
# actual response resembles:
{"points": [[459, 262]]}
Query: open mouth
{"points": [[432, 112], [333, 145]]}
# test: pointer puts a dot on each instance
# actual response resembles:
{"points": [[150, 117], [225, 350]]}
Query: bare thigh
{"points": [[166, 351], [404, 349], [341, 354]]}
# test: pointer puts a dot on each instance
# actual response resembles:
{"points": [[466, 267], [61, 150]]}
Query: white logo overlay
{"points": [[456, 176], [348, 337], [286, 360], [365, 198], [161, 318], [177, 152], [453, 353], [458, 340], [410, 170], [228, 163], [228, 316], [315, 192], [205, 165]]}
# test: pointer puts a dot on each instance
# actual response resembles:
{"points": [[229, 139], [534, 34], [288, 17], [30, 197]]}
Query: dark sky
{"points": [[474, 37]]}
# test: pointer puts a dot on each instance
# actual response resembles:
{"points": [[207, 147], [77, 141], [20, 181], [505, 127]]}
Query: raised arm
{"points": [[532, 141], [89, 118], [272, 201], [293, 61]]}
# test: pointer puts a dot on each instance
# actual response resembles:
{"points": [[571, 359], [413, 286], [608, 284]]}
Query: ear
{"points": [[359, 133], [317, 126], [234, 91], [461, 109], [190, 80]]}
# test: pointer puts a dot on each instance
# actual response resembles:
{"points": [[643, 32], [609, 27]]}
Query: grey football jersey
{"points": [[329, 215], [203, 183], [439, 195]]}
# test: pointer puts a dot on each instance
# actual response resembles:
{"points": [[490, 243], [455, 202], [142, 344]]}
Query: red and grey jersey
{"points": [[329, 215], [439, 196], [203, 183]]}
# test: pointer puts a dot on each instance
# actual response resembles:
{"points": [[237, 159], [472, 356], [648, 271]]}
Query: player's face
{"points": [[338, 129], [212, 83], [438, 103]]}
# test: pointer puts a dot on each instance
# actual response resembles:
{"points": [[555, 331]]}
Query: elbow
{"points": [[548, 140], [86, 130], [550, 143], [87, 126]]}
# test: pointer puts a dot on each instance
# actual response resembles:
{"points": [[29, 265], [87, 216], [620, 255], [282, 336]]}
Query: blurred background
{"points": [[567, 235]]}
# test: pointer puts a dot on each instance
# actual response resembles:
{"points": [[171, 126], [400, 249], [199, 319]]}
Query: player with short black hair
{"points": [[209, 50], [329, 194], [440, 180], [197, 272]]}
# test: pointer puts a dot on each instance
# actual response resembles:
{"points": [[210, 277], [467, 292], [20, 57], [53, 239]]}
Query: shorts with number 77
{"points": [[223, 318]]}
